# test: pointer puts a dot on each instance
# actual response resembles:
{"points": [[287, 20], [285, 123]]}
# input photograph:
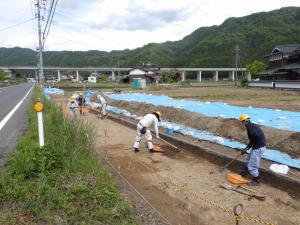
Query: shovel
{"points": [[236, 189], [224, 168], [169, 143]]}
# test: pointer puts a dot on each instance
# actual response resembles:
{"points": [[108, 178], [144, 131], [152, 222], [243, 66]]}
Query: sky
{"points": [[108, 25]]}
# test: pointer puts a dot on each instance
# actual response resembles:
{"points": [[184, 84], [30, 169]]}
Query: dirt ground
{"points": [[185, 187], [284, 141]]}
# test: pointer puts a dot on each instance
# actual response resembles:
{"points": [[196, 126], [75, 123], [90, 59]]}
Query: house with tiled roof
{"points": [[284, 63], [150, 72]]}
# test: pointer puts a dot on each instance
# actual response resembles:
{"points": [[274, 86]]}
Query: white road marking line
{"points": [[9, 115]]}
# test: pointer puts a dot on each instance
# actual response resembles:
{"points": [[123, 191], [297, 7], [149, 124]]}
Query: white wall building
{"points": [[92, 79]]}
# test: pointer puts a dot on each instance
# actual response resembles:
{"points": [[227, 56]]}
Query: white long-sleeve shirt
{"points": [[101, 100], [72, 104], [148, 120]]}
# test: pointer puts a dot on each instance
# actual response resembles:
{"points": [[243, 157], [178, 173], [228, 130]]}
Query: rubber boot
{"points": [[245, 172], [151, 150], [136, 150], [255, 181]]}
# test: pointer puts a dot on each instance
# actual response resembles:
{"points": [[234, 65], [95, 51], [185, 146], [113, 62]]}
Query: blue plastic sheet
{"points": [[49, 91], [280, 119], [86, 94], [270, 154]]}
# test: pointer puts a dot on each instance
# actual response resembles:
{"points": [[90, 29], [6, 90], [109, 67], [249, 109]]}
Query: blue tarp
{"points": [[280, 119], [49, 91], [271, 154], [86, 95]]}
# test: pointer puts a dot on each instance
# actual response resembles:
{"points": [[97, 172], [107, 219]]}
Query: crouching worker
{"points": [[72, 105], [257, 146], [143, 127]]}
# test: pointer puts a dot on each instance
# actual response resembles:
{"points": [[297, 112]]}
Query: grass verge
{"points": [[62, 183]]}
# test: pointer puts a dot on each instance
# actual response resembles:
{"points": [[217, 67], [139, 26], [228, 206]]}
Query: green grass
{"points": [[62, 183]]}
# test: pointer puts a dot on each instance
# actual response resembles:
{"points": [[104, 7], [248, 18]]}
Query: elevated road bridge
{"points": [[198, 74]]}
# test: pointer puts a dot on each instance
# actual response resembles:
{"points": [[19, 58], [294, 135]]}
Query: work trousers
{"points": [[253, 160], [72, 112], [147, 135], [103, 109]]}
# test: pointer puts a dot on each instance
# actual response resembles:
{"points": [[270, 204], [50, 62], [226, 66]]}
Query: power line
{"points": [[62, 13], [49, 20], [33, 15], [49, 15], [74, 41], [17, 24]]}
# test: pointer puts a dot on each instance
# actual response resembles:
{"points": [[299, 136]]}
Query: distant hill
{"points": [[256, 34]]}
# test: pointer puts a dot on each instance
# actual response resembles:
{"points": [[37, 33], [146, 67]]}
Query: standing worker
{"points": [[143, 127], [102, 101], [72, 105], [257, 146], [81, 103]]}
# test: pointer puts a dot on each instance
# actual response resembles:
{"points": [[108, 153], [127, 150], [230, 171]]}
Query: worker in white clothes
{"points": [[103, 104], [72, 105], [143, 127]]}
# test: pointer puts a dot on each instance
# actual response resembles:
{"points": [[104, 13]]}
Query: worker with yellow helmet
{"points": [[72, 105], [81, 103], [143, 127], [257, 147]]}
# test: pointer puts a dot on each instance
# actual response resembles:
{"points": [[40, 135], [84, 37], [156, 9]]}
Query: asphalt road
{"points": [[14, 101]]}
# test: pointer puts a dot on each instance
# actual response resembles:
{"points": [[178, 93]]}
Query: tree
{"points": [[171, 76], [255, 68], [2, 75], [167, 76]]}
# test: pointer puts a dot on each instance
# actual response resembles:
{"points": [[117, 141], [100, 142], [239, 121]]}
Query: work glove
{"points": [[244, 151], [157, 136]]}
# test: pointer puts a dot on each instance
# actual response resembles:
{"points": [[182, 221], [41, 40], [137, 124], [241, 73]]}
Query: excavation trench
{"points": [[183, 185], [220, 156]]}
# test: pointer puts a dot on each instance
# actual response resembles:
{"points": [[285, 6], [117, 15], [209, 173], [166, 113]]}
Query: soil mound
{"points": [[285, 141]]}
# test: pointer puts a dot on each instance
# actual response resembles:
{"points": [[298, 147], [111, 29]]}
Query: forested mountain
{"points": [[256, 35]]}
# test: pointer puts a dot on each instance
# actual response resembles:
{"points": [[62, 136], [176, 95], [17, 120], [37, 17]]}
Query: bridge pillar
{"points": [[231, 75], [199, 76], [113, 75], [182, 75], [58, 75], [248, 74], [77, 76], [216, 76]]}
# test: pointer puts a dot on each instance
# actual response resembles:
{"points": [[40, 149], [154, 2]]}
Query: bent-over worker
{"points": [[72, 105], [257, 146], [102, 101], [143, 127]]}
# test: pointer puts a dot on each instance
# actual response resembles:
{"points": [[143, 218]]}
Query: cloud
{"points": [[120, 24], [135, 15], [143, 20]]}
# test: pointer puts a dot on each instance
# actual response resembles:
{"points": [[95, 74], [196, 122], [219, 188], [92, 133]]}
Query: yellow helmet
{"points": [[244, 117], [158, 114], [72, 97], [80, 94]]}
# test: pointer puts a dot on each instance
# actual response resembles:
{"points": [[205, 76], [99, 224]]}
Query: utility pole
{"points": [[118, 73], [237, 59], [40, 48]]}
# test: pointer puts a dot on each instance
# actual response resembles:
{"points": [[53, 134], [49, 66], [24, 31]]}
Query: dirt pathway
{"points": [[184, 187]]}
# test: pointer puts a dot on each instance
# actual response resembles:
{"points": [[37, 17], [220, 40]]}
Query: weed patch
{"points": [[61, 183]]}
